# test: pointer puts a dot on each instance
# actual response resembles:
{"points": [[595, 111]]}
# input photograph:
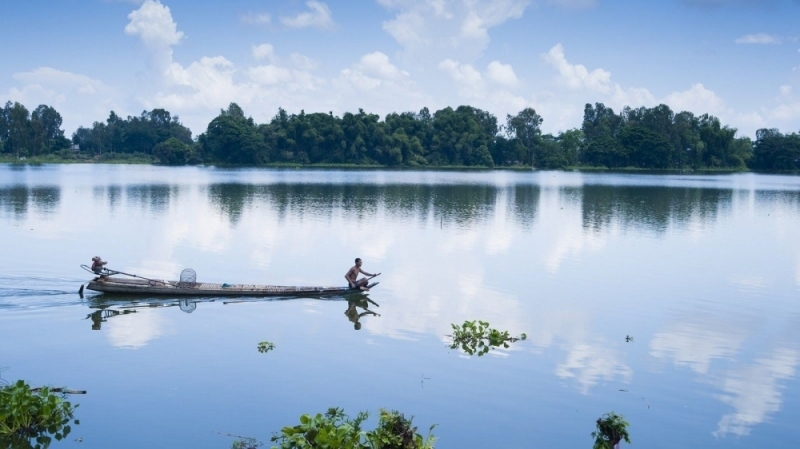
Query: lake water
{"points": [[703, 272]]}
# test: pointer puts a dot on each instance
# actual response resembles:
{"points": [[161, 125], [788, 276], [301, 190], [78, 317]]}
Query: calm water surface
{"points": [[702, 271]]}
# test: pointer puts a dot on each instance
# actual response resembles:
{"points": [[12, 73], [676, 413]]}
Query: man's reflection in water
{"points": [[353, 303], [100, 316]]}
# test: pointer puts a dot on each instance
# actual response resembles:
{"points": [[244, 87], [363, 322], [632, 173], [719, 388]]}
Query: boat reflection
{"points": [[109, 306]]}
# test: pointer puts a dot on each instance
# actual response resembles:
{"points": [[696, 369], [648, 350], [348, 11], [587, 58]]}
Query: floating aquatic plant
{"points": [[336, 430], [611, 429], [476, 337], [32, 417], [265, 346]]}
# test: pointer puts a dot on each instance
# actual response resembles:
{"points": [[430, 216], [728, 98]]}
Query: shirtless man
{"points": [[352, 274]]}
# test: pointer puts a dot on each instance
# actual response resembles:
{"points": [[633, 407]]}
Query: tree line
{"points": [[648, 138]]}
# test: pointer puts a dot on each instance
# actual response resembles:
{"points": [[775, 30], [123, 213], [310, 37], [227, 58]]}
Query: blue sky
{"points": [[736, 59]]}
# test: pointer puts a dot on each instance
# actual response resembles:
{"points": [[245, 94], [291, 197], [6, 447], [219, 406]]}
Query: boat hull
{"points": [[107, 284]]}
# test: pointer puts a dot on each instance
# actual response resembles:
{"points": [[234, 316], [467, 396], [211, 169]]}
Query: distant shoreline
{"points": [[123, 160]]}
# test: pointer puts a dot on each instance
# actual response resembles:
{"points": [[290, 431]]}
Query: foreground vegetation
{"points": [[336, 430], [31, 418], [642, 138]]}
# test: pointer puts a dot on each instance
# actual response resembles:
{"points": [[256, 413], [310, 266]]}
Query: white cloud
{"points": [[469, 80], [135, 330], [697, 99], [577, 76], [502, 74], [374, 79], [264, 51], [760, 38], [755, 391], [153, 24], [80, 99], [696, 344], [378, 64], [474, 90], [588, 364], [573, 82], [575, 85], [256, 18], [786, 90], [269, 74], [318, 16], [431, 31], [302, 62]]}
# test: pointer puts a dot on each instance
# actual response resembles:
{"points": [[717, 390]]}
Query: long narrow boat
{"points": [[107, 283]]}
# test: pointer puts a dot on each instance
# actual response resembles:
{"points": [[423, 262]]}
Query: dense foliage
{"points": [[335, 430], [144, 134], [659, 138], [24, 133], [32, 418], [776, 151], [648, 138], [611, 430]]}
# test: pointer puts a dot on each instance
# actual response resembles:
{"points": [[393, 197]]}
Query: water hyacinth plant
{"points": [[476, 337], [335, 430], [611, 429], [265, 346], [32, 418]]}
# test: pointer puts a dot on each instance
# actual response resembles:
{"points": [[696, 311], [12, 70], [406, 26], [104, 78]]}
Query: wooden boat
{"points": [[107, 284], [187, 286]]}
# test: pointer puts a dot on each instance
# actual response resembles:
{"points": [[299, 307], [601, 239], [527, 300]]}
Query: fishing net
{"points": [[188, 278], [187, 306]]}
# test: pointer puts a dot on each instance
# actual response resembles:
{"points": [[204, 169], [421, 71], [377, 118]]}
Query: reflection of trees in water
{"points": [[783, 198], [651, 208], [231, 199], [645, 207], [112, 194], [451, 204], [154, 196], [16, 200], [523, 203]]}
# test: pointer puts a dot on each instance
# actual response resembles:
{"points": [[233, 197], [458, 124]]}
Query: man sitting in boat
{"points": [[98, 264], [352, 274]]}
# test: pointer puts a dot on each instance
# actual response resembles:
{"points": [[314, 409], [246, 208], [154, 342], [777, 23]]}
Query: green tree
{"points": [[645, 148], [775, 151], [19, 130], [174, 152], [232, 138], [525, 129], [571, 142], [462, 137], [549, 154]]}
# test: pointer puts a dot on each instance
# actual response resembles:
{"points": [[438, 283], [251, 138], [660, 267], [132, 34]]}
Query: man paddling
{"points": [[352, 275]]}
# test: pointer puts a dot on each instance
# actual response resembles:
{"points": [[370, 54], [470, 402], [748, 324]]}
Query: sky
{"points": [[736, 59]]}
